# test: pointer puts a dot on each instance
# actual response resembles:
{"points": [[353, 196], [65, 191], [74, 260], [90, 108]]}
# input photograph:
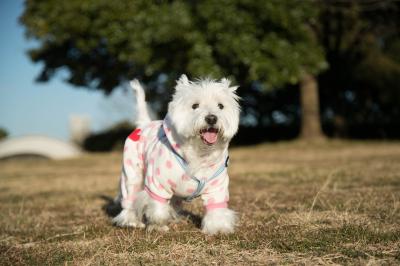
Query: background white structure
{"points": [[79, 126], [38, 146]]}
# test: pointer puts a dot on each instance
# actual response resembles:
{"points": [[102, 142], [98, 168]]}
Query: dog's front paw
{"points": [[156, 227], [127, 218], [219, 221]]}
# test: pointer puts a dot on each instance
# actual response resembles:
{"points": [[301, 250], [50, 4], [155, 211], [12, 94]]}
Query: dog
{"points": [[182, 157]]}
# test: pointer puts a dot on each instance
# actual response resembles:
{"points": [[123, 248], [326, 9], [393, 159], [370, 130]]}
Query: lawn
{"points": [[331, 203]]}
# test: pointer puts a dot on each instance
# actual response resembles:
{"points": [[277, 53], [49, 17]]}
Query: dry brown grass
{"points": [[333, 203]]}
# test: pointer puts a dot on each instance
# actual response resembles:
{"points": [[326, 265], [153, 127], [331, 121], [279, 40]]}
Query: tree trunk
{"points": [[310, 120]]}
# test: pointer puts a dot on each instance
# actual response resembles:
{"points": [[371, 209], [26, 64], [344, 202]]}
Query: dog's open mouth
{"points": [[209, 135]]}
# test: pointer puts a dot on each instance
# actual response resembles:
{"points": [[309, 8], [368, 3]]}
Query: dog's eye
{"points": [[220, 106], [195, 106]]}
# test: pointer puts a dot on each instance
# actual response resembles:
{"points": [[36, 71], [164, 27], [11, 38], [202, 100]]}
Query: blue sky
{"points": [[28, 107]]}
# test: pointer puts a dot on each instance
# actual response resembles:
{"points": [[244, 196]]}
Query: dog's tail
{"points": [[142, 114]]}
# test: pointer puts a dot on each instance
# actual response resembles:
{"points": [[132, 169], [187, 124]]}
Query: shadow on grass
{"points": [[193, 218], [112, 209]]}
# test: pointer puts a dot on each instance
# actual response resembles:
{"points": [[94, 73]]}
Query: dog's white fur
{"points": [[187, 123]]}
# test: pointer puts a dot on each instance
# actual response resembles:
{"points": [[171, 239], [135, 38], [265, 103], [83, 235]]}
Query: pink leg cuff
{"points": [[154, 196], [213, 206]]}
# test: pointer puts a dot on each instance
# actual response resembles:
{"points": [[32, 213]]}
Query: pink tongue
{"points": [[210, 137]]}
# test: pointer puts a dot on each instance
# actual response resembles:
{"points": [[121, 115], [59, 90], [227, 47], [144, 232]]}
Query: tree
{"points": [[361, 88], [262, 45], [3, 133], [311, 123]]}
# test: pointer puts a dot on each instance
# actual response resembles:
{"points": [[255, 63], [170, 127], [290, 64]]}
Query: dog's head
{"points": [[205, 109]]}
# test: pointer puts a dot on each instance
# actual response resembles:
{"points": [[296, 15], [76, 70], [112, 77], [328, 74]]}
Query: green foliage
{"points": [[361, 40], [260, 44], [112, 138], [3, 133], [104, 43]]}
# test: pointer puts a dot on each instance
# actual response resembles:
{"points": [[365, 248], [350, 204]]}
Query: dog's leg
{"points": [[157, 213], [221, 220], [131, 182], [128, 218], [218, 218], [176, 204]]}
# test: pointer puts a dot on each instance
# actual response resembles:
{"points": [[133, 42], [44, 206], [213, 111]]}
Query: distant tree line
{"points": [[3, 133], [304, 67]]}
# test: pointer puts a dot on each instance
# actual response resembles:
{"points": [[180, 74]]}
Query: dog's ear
{"points": [[233, 88], [226, 82], [183, 80]]}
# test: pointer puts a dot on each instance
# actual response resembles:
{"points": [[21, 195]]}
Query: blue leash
{"points": [[200, 182]]}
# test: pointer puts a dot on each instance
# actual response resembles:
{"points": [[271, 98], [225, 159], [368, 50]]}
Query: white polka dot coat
{"points": [[151, 162]]}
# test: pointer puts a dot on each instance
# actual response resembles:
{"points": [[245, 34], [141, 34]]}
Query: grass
{"points": [[332, 203]]}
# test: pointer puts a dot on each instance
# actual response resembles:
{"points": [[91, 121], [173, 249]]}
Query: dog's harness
{"points": [[200, 182]]}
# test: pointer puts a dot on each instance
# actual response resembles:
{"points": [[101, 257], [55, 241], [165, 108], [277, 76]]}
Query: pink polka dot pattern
{"points": [[141, 157], [147, 157], [214, 182], [210, 201], [131, 197], [136, 188], [190, 190], [171, 183]]}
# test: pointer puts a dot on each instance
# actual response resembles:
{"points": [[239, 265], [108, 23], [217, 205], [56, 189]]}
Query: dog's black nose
{"points": [[211, 119]]}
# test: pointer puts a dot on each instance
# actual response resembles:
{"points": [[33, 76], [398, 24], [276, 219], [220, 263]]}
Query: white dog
{"points": [[183, 156]]}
